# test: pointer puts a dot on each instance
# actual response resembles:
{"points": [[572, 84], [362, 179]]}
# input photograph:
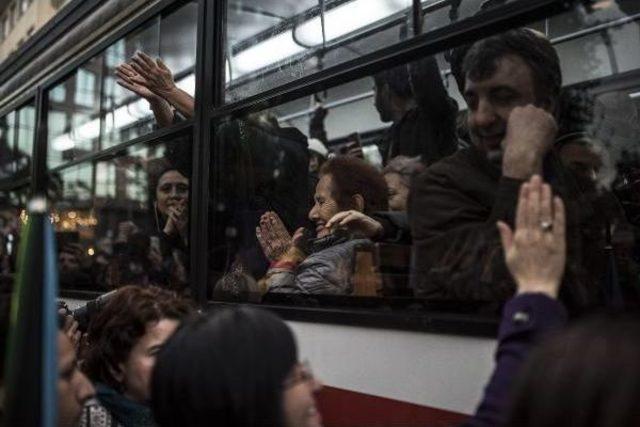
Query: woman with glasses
{"points": [[235, 367]]}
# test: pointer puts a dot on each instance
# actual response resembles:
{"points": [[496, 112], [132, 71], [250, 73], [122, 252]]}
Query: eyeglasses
{"points": [[302, 373]]}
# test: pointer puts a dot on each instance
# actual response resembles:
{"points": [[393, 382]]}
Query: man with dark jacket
{"points": [[511, 83], [423, 116]]}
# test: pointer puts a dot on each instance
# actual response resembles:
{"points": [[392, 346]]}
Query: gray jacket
{"points": [[324, 272]]}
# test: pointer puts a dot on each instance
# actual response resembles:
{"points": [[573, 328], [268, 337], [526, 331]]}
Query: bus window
{"points": [[74, 122], [97, 108], [125, 220], [303, 191], [7, 145], [178, 45], [296, 214], [25, 127], [289, 37], [127, 115], [16, 142]]}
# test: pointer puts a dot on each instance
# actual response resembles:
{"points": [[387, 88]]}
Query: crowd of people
{"points": [[444, 185], [288, 214], [150, 359]]}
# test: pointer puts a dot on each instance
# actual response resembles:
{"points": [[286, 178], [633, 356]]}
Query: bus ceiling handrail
{"points": [[597, 28], [556, 40], [338, 103]]}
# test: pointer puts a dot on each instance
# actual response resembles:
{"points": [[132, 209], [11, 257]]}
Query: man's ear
{"points": [[358, 202]]}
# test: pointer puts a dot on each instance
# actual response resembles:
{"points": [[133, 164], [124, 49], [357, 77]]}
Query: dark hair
{"points": [[576, 111], [588, 375], [397, 79], [226, 369], [479, 60], [353, 176], [123, 320], [154, 178]]}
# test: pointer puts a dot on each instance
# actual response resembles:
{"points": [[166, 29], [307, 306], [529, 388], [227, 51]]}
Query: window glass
{"points": [[136, 111], [85, 88], [58, 94], [269, 44], [125, 220], [74, 123], [12, 216], [25, 139], [16, 142], [126, 113], [7, 145], [93, 110], [435, 128], [178, 35], [7, 25]]}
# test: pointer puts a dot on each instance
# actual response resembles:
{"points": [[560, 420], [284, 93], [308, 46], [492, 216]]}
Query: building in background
{"points": [[20, 19]]}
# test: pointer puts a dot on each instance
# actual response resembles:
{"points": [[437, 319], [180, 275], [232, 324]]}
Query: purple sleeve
{"points": [[525, 320]]}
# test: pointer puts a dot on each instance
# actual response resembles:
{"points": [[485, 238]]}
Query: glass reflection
{"points": [[438, 129], [92, 110], [125, 220], [271, 44], [25, 140], [7, 145], [12, 205], [126, 115], [136, 98], [16, 142], [178, 41], [299, 38], [74, 123]]}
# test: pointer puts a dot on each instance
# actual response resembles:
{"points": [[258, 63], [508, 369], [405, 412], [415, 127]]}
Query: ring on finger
{"points": [[546, 226]]}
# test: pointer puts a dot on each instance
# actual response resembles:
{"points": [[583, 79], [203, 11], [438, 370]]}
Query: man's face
{"points": [[73, 387], [491, 101]]}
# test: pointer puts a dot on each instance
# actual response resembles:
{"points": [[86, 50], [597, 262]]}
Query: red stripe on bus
{"points": [[344, 408]]}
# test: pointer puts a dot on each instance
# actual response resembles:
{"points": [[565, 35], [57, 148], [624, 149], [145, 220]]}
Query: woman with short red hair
{"points": [[322, 264]]}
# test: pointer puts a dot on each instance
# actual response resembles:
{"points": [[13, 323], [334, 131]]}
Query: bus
{"points": [[167, 186]]}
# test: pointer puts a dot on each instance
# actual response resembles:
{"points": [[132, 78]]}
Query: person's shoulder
{"points": [[96, 415], [447, 167]]}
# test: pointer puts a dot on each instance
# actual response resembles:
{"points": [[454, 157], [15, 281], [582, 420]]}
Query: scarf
{"points": [[125, 411]]}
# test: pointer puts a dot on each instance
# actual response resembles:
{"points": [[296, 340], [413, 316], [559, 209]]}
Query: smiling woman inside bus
{"points": [[323, 265]]}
